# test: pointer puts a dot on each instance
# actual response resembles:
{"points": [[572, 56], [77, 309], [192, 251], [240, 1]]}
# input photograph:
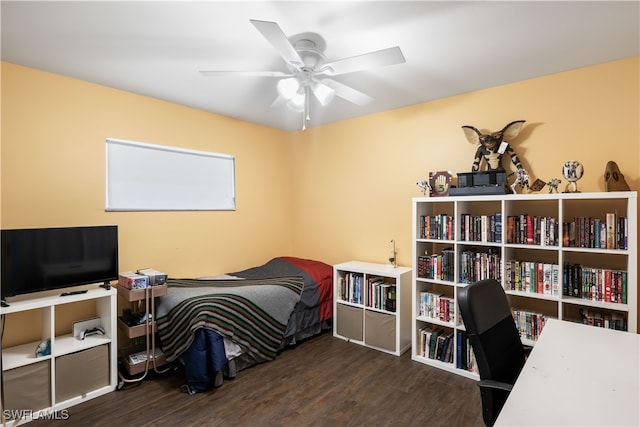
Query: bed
{"points": [[217, 326]]}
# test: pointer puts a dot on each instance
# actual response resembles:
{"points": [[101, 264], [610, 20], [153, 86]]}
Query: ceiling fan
{"points": [[309, 73]]}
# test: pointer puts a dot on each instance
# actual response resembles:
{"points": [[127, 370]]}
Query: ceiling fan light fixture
{"points": [[296, 106], [298, 97], [288, 88]]}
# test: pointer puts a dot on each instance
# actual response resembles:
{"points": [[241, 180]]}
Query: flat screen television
{"points": [[42, 259]]}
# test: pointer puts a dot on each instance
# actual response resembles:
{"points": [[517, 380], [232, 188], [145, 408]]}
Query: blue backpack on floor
{"points": [[204, 361]]}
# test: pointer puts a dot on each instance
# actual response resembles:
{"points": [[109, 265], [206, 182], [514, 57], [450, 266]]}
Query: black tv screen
{"points": [[40, 259]]}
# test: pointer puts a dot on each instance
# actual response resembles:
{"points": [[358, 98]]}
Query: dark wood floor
{"points": [[324, 381]]}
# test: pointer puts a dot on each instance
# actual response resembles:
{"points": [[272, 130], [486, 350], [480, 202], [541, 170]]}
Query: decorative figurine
{"points": [[572, 172], [537, 185], [613, 178], [424, 186], [439, 183], [522, 180], [553, 185], [393, 255], [494, 145]]}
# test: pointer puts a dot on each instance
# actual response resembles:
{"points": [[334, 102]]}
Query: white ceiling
{"points": [[156, 48]]}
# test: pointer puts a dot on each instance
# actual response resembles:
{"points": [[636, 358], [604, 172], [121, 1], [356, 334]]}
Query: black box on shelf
{"points": [[474, 179], [481, 183]]}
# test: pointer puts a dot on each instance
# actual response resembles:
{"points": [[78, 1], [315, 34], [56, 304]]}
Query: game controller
{"points": [[44, 348], [92, 331]]}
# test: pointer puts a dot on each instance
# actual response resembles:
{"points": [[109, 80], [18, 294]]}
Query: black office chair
{"points": [[495, 341]]}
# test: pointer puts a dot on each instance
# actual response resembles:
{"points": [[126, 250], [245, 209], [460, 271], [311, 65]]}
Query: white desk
{"points": [[577, 375]]}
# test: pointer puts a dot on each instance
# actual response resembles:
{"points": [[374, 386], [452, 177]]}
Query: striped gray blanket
{"points": [[252, 312]]}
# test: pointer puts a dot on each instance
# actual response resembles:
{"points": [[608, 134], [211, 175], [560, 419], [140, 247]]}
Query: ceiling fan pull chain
{"points": [[306, 102]]}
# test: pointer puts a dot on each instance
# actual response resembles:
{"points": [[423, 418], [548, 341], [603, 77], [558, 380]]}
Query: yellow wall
{"points": [[336, 192], [357, 177], [53, 172]]}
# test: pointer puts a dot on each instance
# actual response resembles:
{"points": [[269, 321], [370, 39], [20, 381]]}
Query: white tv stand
{"points": [[75, 371]]}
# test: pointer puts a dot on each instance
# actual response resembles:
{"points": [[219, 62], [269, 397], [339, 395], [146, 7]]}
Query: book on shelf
{"points": [[497, 227], [446, 354], [341, 289], [611, 230], [433, 342], [555, 280], [529, 229], [547, 278], [527, 277], [390, 302], [539, 271], [424, 335], [460, 349], [441, 344]]}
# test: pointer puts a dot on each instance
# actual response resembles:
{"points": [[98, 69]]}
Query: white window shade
{"points": [[149, 177]]}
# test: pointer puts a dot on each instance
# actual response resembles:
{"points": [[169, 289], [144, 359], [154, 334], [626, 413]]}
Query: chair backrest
{"points": [[492, 332]]}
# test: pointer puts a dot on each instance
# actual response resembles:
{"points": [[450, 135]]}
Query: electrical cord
{"points": [[2, 417]]}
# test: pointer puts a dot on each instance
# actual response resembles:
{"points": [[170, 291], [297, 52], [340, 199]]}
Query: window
{"points": [[148, 177]]}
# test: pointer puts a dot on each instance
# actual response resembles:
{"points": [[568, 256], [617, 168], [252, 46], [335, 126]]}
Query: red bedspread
{"points": [[323, 275]]}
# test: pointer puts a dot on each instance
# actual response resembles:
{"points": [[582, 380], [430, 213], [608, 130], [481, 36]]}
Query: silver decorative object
{"points": [[572, 171]]}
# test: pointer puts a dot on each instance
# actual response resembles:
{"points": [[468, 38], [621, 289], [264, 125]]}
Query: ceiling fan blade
{"points": [[278, 102], [347, 92], [379, 58], [322, 92], [274, 35], [244, 73]]}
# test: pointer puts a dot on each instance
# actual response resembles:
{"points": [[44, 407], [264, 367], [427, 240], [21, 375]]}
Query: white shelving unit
{"points": [[75, 370], [361, 316], [500, 250]]}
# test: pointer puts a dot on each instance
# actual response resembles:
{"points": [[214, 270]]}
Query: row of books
{"points": [[528, 323], [481, 228], [596, 284], [476, 266], [609, 320], [350, 287], [438, 227], [612, 232], [381, 294], [443, 345], [436, 344], [527, 229], [437, 266], [531, 276], [583, 232], [436, 306]]}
